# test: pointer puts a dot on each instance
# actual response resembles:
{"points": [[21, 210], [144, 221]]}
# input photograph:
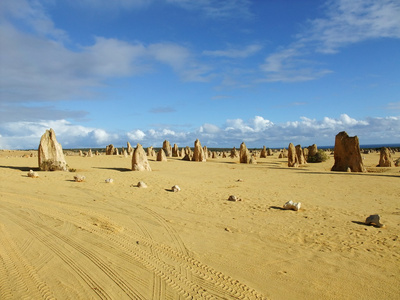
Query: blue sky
{"points": [[224, 71]]}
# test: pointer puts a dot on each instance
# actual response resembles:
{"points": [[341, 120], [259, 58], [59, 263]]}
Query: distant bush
{"points": [[319, 157]]}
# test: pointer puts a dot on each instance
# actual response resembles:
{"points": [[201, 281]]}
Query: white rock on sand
{"points": [[292, 205]]}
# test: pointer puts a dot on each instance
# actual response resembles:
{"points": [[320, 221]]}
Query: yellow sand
{"points": [[94, 240]]}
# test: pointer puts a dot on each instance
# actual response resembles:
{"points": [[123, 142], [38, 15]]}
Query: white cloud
{"points": [[346, 22], [136, 135], [256, 132], [180, 60], [352, 21], [235, 53], [37, 66], [217, 8]]}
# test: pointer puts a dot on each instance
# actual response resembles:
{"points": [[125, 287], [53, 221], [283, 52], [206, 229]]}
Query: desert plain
{"points": [[61, 239]]}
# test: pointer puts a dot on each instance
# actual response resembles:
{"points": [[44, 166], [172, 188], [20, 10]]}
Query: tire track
{"points": [[101, 264], [158, 286], [206, 281], [26, 278], [64, 257]]}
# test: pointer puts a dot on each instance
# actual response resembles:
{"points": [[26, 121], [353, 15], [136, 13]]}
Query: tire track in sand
{"points": [[25, 281], [59, 251], [95, 259], [206, 282]]}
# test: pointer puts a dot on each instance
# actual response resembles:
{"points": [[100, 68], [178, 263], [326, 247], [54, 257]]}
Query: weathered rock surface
{"points": [[50, 153], [234, 198], [139, 160], [175, 151], [161, 155], [142, 185], [374, 220], [129, 148], [198, 154], [188, 154], [79, 178], [385, 159], [300, 155], [167, 148], [110, 149], [33, 174], [233, 153], [347, 154], [263, 153], [244, 154], [293, 161], [292, 205], [176, 189]]}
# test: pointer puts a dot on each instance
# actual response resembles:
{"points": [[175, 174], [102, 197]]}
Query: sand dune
{"points": [[95, 240]]}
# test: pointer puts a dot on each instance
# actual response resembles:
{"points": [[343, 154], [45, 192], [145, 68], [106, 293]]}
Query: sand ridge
{"points": [[89, 240]]}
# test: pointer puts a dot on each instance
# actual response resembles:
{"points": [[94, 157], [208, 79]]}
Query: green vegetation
{"points": [[321, 156]]}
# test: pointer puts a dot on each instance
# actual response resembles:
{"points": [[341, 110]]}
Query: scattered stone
{"points": [[347, 154], [234, 198], [109, 180], [292, 205], [385, 159], [239, 180], [374, 220], [142, 185], [176, 189], [139, 160], [33, 174], [50, 153], [79, 178]]}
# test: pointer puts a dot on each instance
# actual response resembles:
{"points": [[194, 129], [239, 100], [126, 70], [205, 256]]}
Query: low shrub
{"points": [[321, 156]]}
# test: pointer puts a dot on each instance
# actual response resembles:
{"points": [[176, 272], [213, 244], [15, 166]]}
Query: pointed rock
{"points": [[139, 160], [50, 153]]}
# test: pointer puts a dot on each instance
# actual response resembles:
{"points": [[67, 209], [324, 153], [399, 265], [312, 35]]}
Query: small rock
{"points": [[141, 184], [109, 180], [79, 178], [374, 220], [175, 188], [292, 205], [234, 198], [33, 174]]}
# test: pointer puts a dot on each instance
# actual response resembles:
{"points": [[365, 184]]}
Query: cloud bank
{"points": [[256, 132]]}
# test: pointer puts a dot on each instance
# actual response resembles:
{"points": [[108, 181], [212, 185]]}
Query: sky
{"points": [[265, 72]]}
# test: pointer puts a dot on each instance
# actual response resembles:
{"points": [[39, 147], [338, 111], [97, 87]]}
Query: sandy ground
{"points": [[93, 240]]}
